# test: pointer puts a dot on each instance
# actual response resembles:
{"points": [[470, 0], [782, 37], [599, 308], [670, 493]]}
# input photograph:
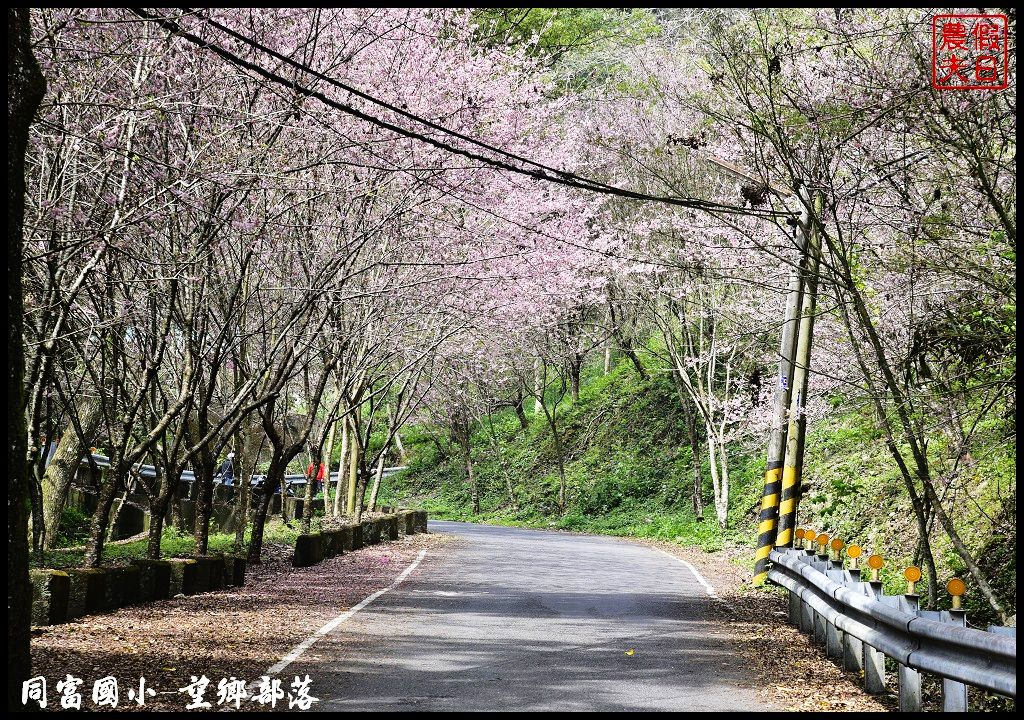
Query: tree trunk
{"points": [[204, 501], [342, 467], [307, 498], [360, 497], [401, 447], [718, 484], [538, 389], [243, 473], [275, 475], [117, 514], [723, 510], [524, 422], [157, 511], [353, 473], [698, 481], [327, 466], [101, 517], [25, 89], [474, 494], [467, 460], [635, 359], [376, 483], [63, 467], [575, 367]]}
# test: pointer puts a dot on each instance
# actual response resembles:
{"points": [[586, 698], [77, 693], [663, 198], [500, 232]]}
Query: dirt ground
{"points": [[795, 673], [234, 633]]}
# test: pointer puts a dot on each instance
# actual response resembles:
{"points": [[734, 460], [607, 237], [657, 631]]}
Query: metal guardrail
{"points": [[860, 626], [188, 476]]}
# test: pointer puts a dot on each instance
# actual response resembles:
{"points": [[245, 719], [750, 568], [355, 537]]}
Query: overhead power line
{"points": [[389, 106], [537, 171]]}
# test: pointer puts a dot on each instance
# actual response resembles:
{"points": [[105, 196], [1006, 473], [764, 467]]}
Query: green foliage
{"points": [[553, 32], [73, 528], [628, 472], [580, 43], [627, 466]]}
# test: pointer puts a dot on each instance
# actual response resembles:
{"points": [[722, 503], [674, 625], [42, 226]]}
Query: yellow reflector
{"points": [[823, 539], [853, 551], [837, 544], [799, 533], [875, 562], [956, 587], [912, 574]]}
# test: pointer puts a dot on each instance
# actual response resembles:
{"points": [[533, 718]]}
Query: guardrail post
{"points": [[853, 653], [806, 617], [874, 660], [821, 562], [954, 694], [819, 629], [833, 641], [909, 678], [874, 671], [794, 608]]}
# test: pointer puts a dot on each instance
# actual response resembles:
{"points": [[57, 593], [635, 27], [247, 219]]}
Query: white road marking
{"points": [[708, 588], [308, 642]]}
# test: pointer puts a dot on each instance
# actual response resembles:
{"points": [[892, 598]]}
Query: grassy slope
{"points": [[628, 473]]}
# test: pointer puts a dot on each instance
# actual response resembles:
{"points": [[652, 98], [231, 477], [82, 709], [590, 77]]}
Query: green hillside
{"points": [[628, 472]]}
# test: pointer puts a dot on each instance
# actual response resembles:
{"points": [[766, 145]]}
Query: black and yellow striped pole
{"points": [[768, 520], [795, 434]]}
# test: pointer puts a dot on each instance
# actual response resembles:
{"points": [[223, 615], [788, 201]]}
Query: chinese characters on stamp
{"points": [[969, 52]]}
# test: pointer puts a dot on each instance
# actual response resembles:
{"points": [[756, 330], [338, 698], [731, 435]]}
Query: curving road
{"points": [[530, 620]]}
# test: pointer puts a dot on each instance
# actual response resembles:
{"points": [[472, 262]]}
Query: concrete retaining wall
{"points": [[62, 595], [314, 547]]}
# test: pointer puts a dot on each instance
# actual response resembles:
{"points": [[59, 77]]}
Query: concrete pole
{"points": [[795, 434], [768, 525]]}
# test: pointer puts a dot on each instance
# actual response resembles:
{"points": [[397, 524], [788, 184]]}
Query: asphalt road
{"points": [[531, 620]]}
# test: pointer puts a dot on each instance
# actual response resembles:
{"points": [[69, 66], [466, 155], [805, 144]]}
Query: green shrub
{"points": [[73, 528]]}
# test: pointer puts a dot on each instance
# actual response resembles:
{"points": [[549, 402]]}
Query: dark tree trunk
{"points": [[101, 516], [377, 475], [25, 89], [362, 480], [307, 499], [575, 367], [244, 468], [157, 511], [520, 412], [275, 474], [631, 354], [204, 501]]}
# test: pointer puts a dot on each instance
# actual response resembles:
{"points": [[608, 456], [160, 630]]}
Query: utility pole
{"points": [[768, 521], [793, 464]]}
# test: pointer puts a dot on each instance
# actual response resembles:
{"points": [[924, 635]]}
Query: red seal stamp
{"points": [[970, 52]]}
